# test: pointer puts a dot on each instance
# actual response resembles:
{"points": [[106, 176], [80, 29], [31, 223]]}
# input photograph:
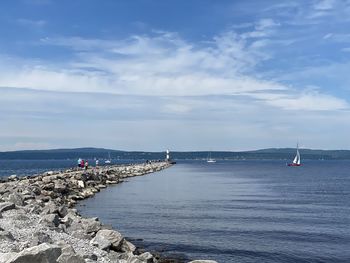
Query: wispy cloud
{"points": [[324, 4], [31, 23], [166, 65], [346, 49], [148, 85]]}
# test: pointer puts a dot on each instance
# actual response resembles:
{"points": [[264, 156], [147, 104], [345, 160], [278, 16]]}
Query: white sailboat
{"points": [[108, 161], [209, 159], [296, 160]]}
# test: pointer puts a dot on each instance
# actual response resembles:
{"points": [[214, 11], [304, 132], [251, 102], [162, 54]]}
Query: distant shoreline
{"points": [[91, 153]]}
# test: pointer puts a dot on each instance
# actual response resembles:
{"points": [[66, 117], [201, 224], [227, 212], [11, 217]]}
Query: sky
{"points": [[184, 75]]}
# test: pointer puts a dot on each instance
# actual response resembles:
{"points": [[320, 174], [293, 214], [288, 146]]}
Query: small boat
{"points": [[209, 159], [296, 161], [108, 161]]}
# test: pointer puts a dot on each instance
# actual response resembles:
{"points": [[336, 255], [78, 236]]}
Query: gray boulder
{"points": [[113, 236], [101, 242], [51, 220], [127, 246], [3, 189], [44, 253], [35, 208], [62, 211], [91, 225], [16, 198], [48, 186], [69, 256], [73, 225], [60, 187], [13, 177], [4, 257], [6, 206], [6, 236], [39, 238], [50, 208], [21, 217], [36, 190], [146, 257]]}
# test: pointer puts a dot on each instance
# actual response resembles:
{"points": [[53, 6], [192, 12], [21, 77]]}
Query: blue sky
{"points": [[184, 75]]}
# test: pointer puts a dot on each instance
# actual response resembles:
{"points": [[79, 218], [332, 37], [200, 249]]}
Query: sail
{"points": [[298, 155], [296, 159]]}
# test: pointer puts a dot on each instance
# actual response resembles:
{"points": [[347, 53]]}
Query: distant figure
{"points": [[79, 162], [86, 165], [82, 164], [96, 163]]}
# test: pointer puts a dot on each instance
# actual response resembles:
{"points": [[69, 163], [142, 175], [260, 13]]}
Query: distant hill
{"points": [[59, 154], [90, 153]]}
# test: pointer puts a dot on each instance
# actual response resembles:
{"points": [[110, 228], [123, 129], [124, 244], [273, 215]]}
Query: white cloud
{"points": [[309, 101], [324, 4], [266, 23], [164, 65]]}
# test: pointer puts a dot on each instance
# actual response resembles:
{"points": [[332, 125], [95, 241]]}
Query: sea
{"points": [[230, 211]]}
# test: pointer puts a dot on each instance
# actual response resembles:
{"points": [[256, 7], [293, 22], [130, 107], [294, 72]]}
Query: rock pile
{"points": [[38, 222]]}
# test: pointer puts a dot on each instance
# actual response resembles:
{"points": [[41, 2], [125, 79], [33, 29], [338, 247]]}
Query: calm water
{"points": [[239, 211]]}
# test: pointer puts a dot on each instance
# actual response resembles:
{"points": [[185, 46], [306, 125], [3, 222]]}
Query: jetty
{"points": [[38, 221]]}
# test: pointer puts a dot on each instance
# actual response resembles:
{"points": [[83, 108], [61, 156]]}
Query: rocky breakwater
{"points": [[38, 222]]}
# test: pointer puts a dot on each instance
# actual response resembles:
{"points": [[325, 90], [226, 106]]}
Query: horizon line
{"points": [[108, 149]]}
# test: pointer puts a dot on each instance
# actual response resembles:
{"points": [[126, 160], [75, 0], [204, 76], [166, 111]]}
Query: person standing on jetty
{"points": [[79, 162], [86, 166]]}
